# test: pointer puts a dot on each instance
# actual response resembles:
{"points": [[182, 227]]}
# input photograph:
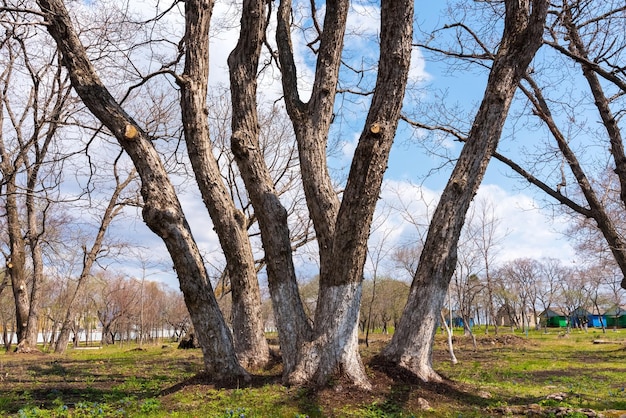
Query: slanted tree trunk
{"points": [[229, 222], [291, 320], [162, 211], [453, 358], [411, 345], [342, 229], [611, 125], [89, 258]]}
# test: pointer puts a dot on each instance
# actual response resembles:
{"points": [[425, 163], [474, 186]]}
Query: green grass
{"points": [[503, 374]]}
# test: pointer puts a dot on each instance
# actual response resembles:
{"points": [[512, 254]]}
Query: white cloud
{"points": [[417, 71], [528, 230], [363, 20], [348, 148], [532, 232]]}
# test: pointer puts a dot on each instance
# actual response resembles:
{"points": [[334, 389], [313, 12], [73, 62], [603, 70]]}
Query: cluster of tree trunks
{"points": [[312, 353]]}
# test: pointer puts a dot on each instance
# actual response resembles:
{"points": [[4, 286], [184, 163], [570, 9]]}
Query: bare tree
{"points": [[30, 163], [486, 237], [551, 274], [90, 255], [377, 251], [116, 302], [523, 274], [342, 227], [162, 211], [411, 345]]}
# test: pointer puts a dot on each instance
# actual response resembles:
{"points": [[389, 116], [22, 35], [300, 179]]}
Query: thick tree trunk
{"points": [[228, 221], [411, 345], [291, 320], [342, 230], [311, 121], [162, 211], [334, 350]]}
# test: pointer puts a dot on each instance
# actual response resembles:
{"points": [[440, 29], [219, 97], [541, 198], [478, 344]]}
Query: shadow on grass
{"points": [[48, 382], [203, 379]]}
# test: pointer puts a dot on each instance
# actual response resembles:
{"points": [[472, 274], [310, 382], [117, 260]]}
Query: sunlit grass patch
{"points": [[514, 370]]}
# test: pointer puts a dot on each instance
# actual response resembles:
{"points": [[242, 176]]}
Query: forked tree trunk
{"points": [[229, 222], [343, 230], [162, 211], [411, 345]]}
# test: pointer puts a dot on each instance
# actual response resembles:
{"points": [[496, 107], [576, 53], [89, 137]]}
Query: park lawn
{"points": [[512, 374]]}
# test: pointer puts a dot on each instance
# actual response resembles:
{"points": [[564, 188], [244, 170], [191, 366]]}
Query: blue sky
{"points": [[529, 230]]}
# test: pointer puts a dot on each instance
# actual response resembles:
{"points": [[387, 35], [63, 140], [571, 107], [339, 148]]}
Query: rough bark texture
{"points": [[228, 221], [411, 345], [291, 320], [311, 122], [597, 210], [162, 211], [577, 47], [342, 229]]}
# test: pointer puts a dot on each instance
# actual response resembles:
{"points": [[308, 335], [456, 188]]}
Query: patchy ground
{"points": [[161, 380]]}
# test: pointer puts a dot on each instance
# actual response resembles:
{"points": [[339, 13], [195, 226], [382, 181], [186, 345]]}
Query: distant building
{"points": [[508, 316], [616, 316], [554, 317], [581, 317]]}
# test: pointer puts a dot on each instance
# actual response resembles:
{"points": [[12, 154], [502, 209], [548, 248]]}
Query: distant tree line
{"points": [[113, 309]]}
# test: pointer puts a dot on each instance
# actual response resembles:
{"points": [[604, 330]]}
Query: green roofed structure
{"points": [[554, 317], [616, 317]]}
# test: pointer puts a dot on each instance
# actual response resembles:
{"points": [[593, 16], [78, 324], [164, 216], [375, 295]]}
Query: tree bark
{"points": [[343, 229], [611, 125], [411, 345], [291, 320], [16, 265], [229, 222], [162, 211]]}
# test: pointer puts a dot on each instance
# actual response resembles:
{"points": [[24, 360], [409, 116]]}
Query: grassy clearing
{"points": [[509, 374]]}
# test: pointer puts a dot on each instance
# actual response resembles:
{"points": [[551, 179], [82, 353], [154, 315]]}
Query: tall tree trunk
{"points": [[229, 222], [609, 121], [311, 122], [30, 342], [411, 345], [34, 243], [343, 234], [293, 327], [16, 265], [162, 211]]}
